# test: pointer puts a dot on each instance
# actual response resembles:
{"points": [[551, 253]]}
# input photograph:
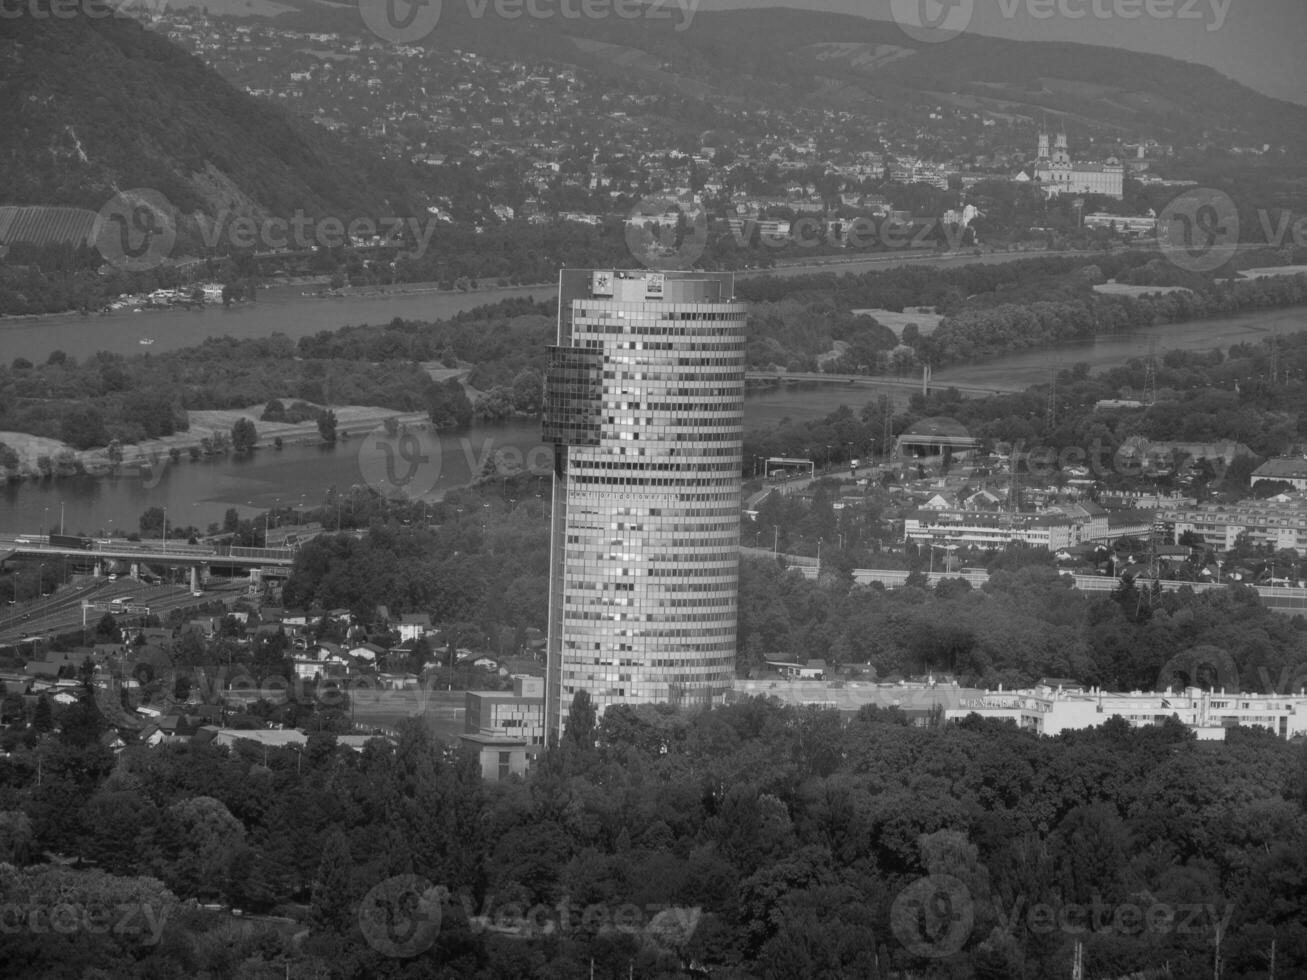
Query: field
{"points": [[443, 710]]}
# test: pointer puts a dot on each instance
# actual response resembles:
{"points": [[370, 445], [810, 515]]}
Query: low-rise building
{"points": [[1280, 522], [1291, 471], [1051, 711], [519, 712]]}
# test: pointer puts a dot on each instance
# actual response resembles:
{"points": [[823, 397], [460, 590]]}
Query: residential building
{"points": [[1280, 522], [1051, 711], [413, 626], [1055, 528], [982, 529], [1134, 224], [644, 404], [1291, 471]]}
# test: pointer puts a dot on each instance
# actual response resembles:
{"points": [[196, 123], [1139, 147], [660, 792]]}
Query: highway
{"points": [[147, 552], [62, 611]]}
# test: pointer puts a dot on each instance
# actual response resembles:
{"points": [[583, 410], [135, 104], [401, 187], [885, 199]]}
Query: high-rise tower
{"points": [[644, 404]]}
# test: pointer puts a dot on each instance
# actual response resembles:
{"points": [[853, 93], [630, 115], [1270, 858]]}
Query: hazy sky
{"points": [[1261, 43]]}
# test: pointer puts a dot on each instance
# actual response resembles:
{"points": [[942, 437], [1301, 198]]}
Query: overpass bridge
{"points": [[108, 555]]}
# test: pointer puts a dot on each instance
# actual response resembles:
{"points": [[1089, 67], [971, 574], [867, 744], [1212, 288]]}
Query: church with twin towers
{"points": [[644, 408]]}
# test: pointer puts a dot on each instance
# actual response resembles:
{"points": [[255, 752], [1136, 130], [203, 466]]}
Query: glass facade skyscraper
{"points": [[644, 404]]}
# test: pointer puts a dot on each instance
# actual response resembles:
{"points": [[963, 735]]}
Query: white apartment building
{"points": [[1050, 711]]}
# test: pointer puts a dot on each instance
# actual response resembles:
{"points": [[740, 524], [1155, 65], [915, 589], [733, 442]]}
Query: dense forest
{"points": [[746, 841]]}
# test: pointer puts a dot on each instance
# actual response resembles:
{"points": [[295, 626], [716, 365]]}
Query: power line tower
{"points": [[1150, 375], [1051, 409], [887, 417]]}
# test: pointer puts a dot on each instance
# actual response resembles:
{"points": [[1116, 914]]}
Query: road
{"points": [[61, 612]]}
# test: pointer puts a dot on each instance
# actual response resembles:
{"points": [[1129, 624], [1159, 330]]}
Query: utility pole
{"points": [[887, 408], [1150, 375], [1051, 410]]}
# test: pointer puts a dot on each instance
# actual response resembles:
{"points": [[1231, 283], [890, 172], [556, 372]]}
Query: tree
{"points": [[43, 718], [581, 730], [331, 886], [152, 522], [107, 629], [327, 427], [244, 436]]}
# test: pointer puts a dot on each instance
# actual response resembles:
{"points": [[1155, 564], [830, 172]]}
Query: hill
{"points": [[90, 107], [792, 57]]}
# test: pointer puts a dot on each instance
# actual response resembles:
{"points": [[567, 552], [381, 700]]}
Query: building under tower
{"points": [[644, 404]]}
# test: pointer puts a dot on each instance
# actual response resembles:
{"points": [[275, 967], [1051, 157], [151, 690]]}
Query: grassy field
{"points": [[442, 710]]}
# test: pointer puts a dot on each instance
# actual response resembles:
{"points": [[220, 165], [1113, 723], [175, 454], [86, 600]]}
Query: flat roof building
{"points": [[1051, 711], [1280, 522], [644, 404]]}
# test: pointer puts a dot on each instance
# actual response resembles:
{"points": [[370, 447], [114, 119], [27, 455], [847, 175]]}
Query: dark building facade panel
{"points": [[573, 407]]}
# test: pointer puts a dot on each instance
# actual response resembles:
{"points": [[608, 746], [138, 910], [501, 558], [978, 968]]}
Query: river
{"points": [[286, 309], [199, 493]]}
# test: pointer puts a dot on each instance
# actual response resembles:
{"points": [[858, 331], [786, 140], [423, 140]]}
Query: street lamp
{"points": [[165, 528]]}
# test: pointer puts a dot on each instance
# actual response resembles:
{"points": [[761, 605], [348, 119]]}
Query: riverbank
{"points": [[209, 434]]}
